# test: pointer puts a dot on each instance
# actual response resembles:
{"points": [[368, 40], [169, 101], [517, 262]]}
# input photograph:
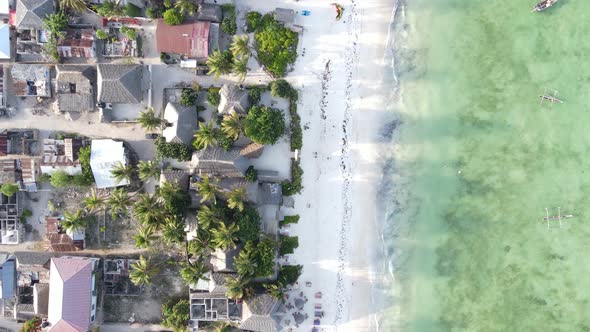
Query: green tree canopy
{"points": [[276, 46], [148, 170], [9, 189], [176, 314], [73, 221], [141, 272], [173, 17], [193, 273], [224, 236], [77, 5], [147, 119], [206, 136], [264, 125], [220, 63]]}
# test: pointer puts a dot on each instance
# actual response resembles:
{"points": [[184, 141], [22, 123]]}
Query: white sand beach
{"points": [[339, 77]]}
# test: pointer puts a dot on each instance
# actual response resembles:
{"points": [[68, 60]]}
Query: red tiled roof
{"points": [[188, 39]]}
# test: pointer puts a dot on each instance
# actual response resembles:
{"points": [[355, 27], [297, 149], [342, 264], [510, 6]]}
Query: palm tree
{"points": [[206, 217], [77, 5], [148, 120], [199, 245], [245, 264], [275, 290], [206, 136], [192, 273], [186, 6], [240, 68], [144, 237], [224, 237], [236, 198], [73, 221], [173, 231], [207, 190], [94, 202], [148, 170], [142, 271], [236, 287], [119, 202], [232, 125], [122, 172], [220, 63], [148, 210], [223, 327], [173, 198], [239, 47]]}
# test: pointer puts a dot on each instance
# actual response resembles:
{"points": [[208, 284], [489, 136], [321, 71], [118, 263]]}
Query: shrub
{"points": [[280, 88], [254, 95], [289, 220], [264, 125], [129, 32], [178, 151], [228, 24], [173, 17], [84, 158], [109, 9], [214, 98], [251, 174], [295, 125], [252, 21], [288, 244], [188, 97], [225, 142], [153, 12], [201, 108], [132, 10], [248, 222], [294, 186], [9, 189], [176, 314], [60, 179], [265, 255], [45, 177], [101, 34], [288, 274], [276, 46]]}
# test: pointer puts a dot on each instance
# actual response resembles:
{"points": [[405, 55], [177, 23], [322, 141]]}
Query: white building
{"points": [[105, 154]]}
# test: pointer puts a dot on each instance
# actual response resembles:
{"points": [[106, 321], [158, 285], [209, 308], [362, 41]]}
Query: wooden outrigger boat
{"points": [[543, 5], [551, 99]]}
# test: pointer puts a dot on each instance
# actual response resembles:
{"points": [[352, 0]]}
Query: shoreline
{"points": [[340, 75]]}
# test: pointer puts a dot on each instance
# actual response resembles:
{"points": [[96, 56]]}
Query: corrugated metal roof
{"points": [[104, 155], [191, 39], [70, 294]]}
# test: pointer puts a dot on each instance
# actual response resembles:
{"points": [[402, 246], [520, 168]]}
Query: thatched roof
{"points": [[217, 162]]}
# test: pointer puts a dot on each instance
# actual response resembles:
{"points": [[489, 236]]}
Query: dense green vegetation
{"points": [[188, 97], [289, 220], [173, 17], [177, 151], [252, 21], [228, 24], [176, 314], [213, 97], [276, 46], [264, 125], [9, 189], [251, 174], [294, 186], [132, 10], [287, 245]]}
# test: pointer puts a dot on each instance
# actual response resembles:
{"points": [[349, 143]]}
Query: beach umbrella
{"points": [[298, 317], [299, 303]]}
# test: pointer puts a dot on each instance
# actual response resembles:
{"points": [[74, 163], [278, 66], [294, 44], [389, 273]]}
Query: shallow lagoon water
{"points": [[481, 159]]}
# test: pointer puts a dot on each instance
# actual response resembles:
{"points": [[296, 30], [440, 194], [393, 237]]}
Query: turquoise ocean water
{"points": [[480, 160]]}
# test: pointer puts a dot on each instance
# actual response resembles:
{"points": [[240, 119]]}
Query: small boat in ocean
{"points": [[551, 99], [543, 5]]}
